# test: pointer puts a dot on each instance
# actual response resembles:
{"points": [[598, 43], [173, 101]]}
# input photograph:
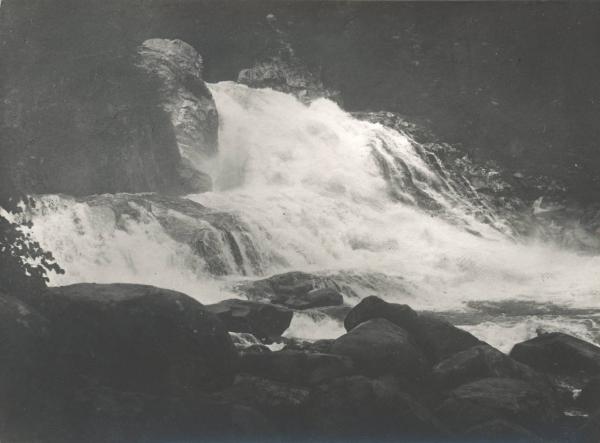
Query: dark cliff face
{"points": [[517, 83], [78, 116]]}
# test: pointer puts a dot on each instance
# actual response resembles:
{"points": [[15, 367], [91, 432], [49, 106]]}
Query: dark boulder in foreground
{"points": [[263, 320], [558, 353], [373, 307], [136, 338], [295, 290], [438, 338], [482, 361], [498, 398], [359, 408], [23, 358], [296, 367], [99, 415], [380, 347]]}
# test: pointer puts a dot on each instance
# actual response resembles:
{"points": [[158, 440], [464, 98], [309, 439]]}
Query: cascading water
{"points": [[312, 188]]}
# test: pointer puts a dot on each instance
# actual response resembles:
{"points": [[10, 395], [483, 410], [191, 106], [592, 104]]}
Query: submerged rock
{"points": [[295, 290], [135, 338], [380, 347], [558, 353], [188, 102], [263, 320], [221, 239]]}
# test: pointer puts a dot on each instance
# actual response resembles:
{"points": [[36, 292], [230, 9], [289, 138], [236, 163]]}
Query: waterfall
{"points": [[310, 187]]}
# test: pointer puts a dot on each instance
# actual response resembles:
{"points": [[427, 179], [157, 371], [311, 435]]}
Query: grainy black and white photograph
{"points": [[264, 221]]}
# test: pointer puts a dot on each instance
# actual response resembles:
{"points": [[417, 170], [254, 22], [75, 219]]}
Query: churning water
{"points": [[313, 188]]}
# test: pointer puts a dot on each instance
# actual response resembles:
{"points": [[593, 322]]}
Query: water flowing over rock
{"points": [[189, 103], [295, 290], [291, 77], [265, 321]]}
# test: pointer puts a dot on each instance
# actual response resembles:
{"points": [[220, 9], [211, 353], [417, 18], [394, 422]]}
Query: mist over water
{"points": [[321, 191]]}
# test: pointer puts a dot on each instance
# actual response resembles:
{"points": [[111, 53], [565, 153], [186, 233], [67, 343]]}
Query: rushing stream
{"points": [[312, 188]]}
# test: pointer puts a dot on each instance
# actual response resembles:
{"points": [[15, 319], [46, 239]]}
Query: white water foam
{"points": [[322, 191]]}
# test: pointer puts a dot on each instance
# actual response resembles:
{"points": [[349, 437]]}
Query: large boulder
{"points": [[507, 399], [263, 320], [438, 338], [590, 431], [482, 361], [357, 407], [188, 102], [374, 307], [135, 338], [295, 290], [296, 367], [558, 353], [380, 347]]}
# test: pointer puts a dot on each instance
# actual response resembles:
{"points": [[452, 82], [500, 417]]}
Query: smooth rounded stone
{"points": [[439, 339], [296, 367], [589, 398], [482, 361], [358, 407], [498, 398], [263, 320], [380, 347], [373, 307], [295, 290], [500, 431], [436, 337], [558, 353], [135, 338]]}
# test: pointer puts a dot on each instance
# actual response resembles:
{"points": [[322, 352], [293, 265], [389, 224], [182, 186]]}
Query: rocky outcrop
{"points": [[373, 307], [295, 290], [189, 103], [263, 320], [589, 398], [123, 362]]}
